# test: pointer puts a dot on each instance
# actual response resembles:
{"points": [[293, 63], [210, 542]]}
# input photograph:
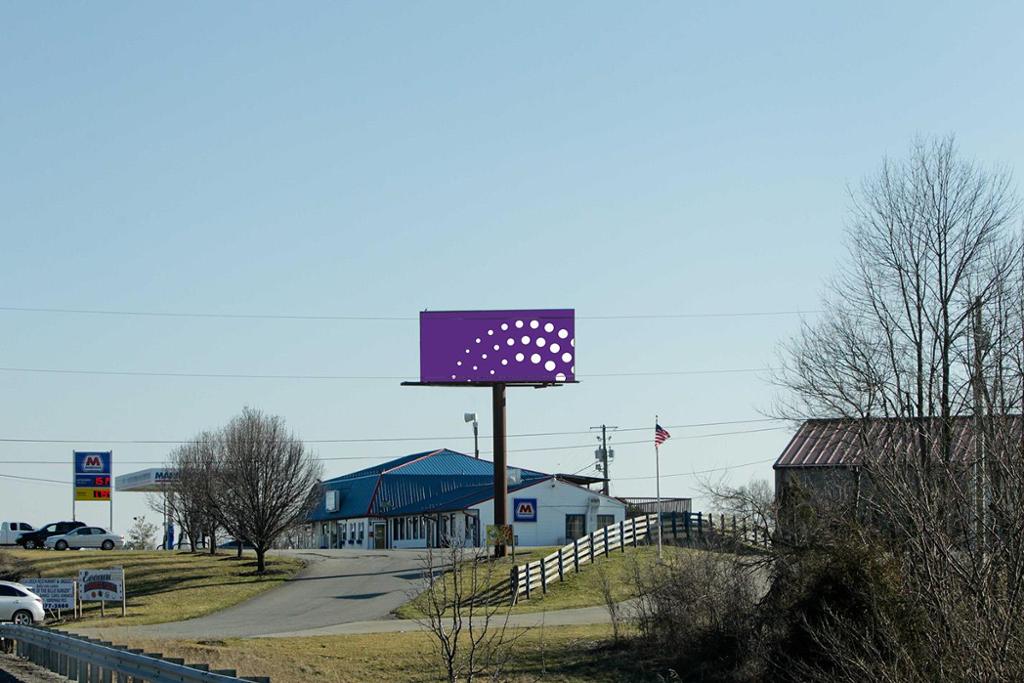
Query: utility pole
{"points": [[980, 478], [500, 466], [603, 454]]}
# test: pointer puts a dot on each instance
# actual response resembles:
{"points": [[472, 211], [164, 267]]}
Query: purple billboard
{"points": [[498, 346]]}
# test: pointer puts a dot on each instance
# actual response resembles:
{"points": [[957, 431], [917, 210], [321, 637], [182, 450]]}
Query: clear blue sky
{"points": [[382, 158]]}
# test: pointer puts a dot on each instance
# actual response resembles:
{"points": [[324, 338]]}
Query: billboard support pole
{"points": [[500, 464], [74, 497]]}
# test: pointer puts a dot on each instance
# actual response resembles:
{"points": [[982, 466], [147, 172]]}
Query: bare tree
{"points": [[930, 245], [919, 350], [141, 534], [606, 584], [751, 506], [268, 481], [468, 619], [192, 498]]}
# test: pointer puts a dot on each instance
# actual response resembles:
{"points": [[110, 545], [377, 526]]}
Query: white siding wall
{"points": [[555, 499]]}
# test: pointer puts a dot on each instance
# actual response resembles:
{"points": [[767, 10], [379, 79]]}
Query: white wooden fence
{"points": [[527, 578]]}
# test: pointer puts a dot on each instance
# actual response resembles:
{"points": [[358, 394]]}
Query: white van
{"points": [[10, 531]]}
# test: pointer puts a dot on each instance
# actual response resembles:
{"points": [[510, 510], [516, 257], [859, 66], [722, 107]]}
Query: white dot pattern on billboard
{"points": [[519, 350]]}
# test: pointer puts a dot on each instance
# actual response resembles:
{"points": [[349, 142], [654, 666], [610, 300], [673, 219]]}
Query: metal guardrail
{"points": [[89, 660]]}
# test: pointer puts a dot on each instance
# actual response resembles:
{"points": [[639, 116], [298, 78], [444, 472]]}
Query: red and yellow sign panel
{"points": [[89, 493]]}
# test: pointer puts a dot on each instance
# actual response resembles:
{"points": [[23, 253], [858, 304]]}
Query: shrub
{"points": [[698, 612]]}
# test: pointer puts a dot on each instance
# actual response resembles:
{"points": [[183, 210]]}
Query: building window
{"points": [[575, 527], [605, 520]]}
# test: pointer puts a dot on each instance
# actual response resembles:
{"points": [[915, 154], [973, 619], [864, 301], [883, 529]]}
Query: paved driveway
{"points": [[336, 587], [339, 592]]}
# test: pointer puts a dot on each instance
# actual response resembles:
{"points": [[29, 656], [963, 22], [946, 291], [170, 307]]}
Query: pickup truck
{"points": [[10, 532]]}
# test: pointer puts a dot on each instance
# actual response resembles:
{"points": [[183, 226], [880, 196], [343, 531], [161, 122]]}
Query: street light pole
{"points": [[471, 417]]}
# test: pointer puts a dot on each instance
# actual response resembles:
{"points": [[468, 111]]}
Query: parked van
{"points": [[11, 531]]}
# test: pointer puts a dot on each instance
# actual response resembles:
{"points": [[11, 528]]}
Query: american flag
{"points": [[661, 435]]}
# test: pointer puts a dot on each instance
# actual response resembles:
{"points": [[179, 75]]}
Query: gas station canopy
{"points": [[155, 479]]}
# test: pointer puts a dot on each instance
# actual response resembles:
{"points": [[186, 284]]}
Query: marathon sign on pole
{"points": [[92, 475]]}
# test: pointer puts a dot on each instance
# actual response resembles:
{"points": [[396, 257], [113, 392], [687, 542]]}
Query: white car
{"points": [[20, 605], [85, 537]]}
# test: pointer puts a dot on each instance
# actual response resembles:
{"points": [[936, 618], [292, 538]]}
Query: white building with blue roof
{"points": [[434, 498]]}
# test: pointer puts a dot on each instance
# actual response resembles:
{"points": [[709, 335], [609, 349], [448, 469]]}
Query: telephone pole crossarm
{"points": [[605, 455]]}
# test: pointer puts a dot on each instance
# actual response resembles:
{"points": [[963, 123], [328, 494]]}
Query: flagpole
{"points": [[657, 480]]}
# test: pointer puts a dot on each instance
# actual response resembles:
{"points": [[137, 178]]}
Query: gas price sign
{"points": [[92, 475]]}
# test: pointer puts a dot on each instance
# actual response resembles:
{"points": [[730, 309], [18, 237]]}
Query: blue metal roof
{"points": [[420, 483], [390, 464], [459, 498]]}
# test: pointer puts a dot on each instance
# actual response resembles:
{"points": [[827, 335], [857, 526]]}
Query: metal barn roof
{"points": [[844, 442], [420, 483]]}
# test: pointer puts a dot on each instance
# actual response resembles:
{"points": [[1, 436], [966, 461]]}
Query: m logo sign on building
{"points": [[524, 509]]}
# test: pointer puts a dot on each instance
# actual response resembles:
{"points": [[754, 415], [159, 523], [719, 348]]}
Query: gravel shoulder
{"points": [[15, 670]]}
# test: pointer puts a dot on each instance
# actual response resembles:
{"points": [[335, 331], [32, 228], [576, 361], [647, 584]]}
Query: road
{"points": [[338, 592], [335, 587]]}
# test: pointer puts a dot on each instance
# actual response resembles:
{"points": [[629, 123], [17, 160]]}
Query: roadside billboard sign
{"points": [[101, 584], [56, 593], [507, 346]]}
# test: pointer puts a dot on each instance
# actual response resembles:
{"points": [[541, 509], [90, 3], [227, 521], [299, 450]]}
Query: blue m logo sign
{"points": [[524, 510]]}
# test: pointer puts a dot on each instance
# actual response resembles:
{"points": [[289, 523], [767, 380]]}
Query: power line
{"points": [[36, 479], [696, 472], [374, 457], [677, 474], [726, 314], [647, 441], [658, 373], [246, 375], [399, 439], [202, 375], [378, 318], [227, 316]]}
